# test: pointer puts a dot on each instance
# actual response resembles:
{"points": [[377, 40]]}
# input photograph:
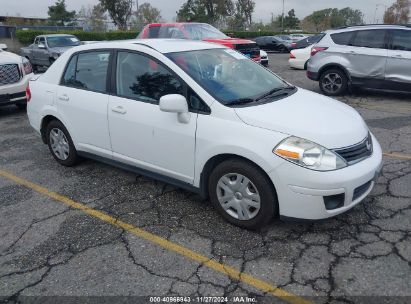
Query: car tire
{"points": [[333, 82], [247, 190], [60, 144], [21, 106]]}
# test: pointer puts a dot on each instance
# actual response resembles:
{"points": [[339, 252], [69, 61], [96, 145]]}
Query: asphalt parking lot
{"points": [[95, 230]]}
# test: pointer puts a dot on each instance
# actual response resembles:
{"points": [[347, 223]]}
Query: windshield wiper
{"points": [[240, 101], [273, 91]]}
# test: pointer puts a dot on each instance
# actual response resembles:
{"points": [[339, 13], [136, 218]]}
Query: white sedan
{"points": [[15, 72], [299, 58], [208, 119]]}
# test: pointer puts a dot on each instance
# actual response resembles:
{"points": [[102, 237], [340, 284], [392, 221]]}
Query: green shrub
{"points": [[27, 37]]}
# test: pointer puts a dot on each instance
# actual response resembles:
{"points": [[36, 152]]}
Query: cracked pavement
{"points": [[49, 249]]}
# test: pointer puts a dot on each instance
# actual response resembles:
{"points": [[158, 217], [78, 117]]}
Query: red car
{"points": [[200, 31]]}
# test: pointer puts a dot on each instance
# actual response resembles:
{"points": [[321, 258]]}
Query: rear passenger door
{"points": [[82, 101], [367, 55], [398, 70]]}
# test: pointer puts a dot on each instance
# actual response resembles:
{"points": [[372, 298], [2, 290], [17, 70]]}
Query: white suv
{"points": [[206, 118], [15, 72]]}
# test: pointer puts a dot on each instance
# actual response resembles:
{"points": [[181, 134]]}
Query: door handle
{"points": [[119, 109], [64, 97]]}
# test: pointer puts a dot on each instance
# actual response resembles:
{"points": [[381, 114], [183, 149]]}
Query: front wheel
{"points": [[60, 144], [242, 194], [333, 82]]}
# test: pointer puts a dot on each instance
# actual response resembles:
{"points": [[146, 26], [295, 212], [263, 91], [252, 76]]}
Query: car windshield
{"points": [[62, 41], [203, 31], [228, 76]]}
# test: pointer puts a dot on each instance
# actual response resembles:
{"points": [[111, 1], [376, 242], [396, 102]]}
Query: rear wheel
{"points": [[60, 144], [242, 194], [333, 82]]}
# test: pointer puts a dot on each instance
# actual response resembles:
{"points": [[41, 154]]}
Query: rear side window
{"points": [[401, 40], [88, 71], [170, 32], [139, 77], [342, 38], [370, 39]]}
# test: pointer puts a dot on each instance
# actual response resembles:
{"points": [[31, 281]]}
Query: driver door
{"points": [[141, 134]]}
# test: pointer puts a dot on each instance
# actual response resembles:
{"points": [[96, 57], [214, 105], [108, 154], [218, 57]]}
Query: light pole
{"points": [[282, 20], [376, 9]]}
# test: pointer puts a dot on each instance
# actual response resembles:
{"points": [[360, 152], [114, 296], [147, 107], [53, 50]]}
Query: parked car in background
{"points": [[273, 43], [297, 37], [3, 46], [299, 58], [301, 44], [47, 48], [204, 117], [200, 31], [264, 58], [373, 56], [15, 72]]}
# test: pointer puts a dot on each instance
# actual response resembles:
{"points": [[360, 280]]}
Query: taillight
{"points": [[317, 49], [292, 56], [28, 93]]}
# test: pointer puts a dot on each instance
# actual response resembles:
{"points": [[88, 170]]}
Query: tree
{"points": [[291, 21], [146, 14], [245, 8], [58, 14], [210, 11], [120, 11], [93, 18], [332, 18], [399, 12]]}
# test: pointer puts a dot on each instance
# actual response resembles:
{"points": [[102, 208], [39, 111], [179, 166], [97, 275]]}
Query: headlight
{"points": [[27, 66], [307, 154]]}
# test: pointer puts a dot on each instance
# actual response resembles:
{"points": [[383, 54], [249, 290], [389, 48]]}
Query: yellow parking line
{"points": [[219, 267], [398, 156]]}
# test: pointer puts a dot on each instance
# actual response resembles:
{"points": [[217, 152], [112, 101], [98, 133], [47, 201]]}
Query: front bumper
{"points": [[301, 191], [15, 92], [264, 61], [313, 75]]}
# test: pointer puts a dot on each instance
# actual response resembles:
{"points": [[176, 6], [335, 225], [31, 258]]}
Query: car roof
{"points": [[368, 27], [161, 45], [56, 35]]}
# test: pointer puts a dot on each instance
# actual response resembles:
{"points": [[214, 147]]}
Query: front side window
{"points": [[88, 71], [227, 75], [139, 77], [401, 40], [42, 40], [370, 39], [170, 32]]}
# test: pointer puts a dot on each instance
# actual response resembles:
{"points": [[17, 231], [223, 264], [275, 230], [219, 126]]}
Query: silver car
{"points": [[376, 57]]}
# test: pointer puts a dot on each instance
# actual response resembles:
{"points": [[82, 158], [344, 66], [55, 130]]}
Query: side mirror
{"points": [[175, 103], [42, 46]]}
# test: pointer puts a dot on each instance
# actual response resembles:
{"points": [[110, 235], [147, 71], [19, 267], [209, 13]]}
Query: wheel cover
{"points": [[332, 82], [59, 144], [238, 196]]}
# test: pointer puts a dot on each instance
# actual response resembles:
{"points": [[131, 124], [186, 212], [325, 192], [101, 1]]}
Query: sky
{"points": [[372, 9]]}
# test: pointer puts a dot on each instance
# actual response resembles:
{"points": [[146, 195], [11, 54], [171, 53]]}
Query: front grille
{"points": [[359, 191], [9, 73], [250, 50], [358, 152]]}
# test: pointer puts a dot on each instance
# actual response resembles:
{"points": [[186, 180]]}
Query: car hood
{"points": [[60, 50], [311, 116], [7, 57], [229, 41]]}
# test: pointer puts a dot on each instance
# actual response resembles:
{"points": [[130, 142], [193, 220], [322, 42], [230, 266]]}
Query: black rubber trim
{"points": [[150, 174]]}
